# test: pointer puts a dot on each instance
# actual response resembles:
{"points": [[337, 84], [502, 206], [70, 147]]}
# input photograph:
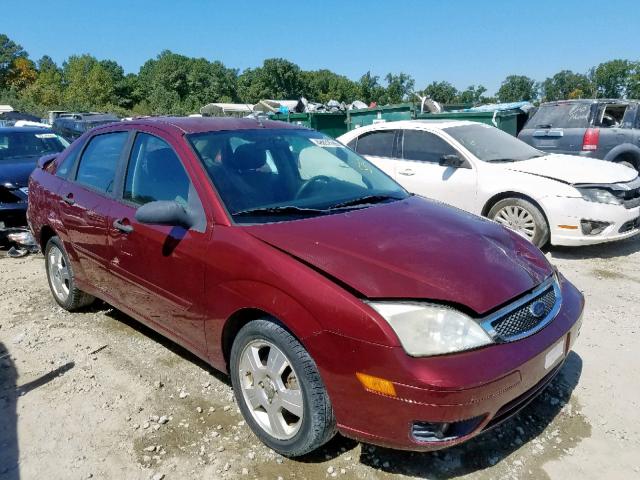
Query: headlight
{"points": [[599, 195], [425, 329]]}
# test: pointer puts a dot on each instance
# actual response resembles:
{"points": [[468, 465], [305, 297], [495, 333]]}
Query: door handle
{"points": [[69, 199], [407, 172], [118, 225]]}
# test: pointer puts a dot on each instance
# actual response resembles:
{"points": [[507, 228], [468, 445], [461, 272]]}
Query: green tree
{"points": [[324, 85], [369, 88], [21, 74], [399, 88], [47, 90], [472, 95], [517, 88], [611, 78], [566, 84], [633, 84], [9, 51], [90, 85], [276, 79], [441, 92]]}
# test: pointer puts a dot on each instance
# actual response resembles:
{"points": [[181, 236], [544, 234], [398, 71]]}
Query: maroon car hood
{"points": [[414, 249]]}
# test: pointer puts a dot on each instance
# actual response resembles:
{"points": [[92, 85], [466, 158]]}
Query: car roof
{"points": [[437, 124], [211, 124], [25, 129], [589, 100]]}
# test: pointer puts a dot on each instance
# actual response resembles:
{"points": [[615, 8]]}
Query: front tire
{"points": [[523, 217], [279, 390], [62, 279]]}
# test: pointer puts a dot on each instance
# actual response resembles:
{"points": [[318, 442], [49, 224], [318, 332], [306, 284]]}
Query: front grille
{"points": [[522, 320], [628, 193]]}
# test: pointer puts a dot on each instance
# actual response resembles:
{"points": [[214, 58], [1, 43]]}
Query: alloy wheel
{"points": [[270, 389], [518, 219], [58, 273]]}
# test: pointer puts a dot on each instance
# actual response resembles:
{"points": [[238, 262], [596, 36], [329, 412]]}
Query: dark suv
{"points": [[72, 125], [606, 129]]}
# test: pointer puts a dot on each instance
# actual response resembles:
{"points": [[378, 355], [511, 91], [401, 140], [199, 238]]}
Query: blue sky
{"points": [[463, 41]]}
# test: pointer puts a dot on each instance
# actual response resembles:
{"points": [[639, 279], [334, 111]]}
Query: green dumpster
{"points": [[388, 113], [510, 121], [330, 123]]}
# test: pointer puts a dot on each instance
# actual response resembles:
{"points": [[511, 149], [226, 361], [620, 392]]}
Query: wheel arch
{"points": [[625, 152], [239, 319], [46, 233], [512, 194]]}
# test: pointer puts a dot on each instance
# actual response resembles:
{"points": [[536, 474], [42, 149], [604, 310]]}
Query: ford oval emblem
{"points": [[537, 309]]}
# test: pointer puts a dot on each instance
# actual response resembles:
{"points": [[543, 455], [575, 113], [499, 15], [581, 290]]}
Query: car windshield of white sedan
{"points": [[490, 144], [271, 175]]}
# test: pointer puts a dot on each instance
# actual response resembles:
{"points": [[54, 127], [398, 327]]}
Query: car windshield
{"points": [[271, 175], [24, 144], [490, 144]]}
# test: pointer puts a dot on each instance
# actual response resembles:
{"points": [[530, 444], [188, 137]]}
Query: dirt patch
{"points": [[78, 390]]}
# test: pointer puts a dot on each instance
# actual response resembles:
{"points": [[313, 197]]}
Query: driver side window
{"points": [[156, 173]]}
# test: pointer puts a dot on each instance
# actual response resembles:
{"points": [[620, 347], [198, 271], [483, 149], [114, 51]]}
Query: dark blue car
{"points": [[20, 148]]}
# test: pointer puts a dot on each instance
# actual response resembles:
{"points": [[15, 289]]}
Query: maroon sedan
{"points": [[334, 299]]}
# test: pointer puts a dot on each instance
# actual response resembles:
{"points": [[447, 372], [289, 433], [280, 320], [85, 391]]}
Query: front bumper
{"points": [[13, 214], [486, 385], [569, 212]]}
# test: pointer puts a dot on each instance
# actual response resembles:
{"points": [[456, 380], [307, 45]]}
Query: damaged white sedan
{"points": [[548, 198]]}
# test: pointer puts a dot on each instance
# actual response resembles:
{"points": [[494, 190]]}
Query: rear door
{"points": [[419, 170], [379, 147], [85, 201], [559, 127], [157, 270]]}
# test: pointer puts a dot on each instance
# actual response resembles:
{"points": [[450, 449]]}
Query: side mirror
{"points": [[163, 212], [44, 161], [451, 160]]}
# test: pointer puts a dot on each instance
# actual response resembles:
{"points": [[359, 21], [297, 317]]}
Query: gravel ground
{"points": [[97, 395]]}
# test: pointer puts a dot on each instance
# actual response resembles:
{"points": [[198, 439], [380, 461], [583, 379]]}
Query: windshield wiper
{"points": [[280, 210], [366, 200], [501, 160], [544, 125]]}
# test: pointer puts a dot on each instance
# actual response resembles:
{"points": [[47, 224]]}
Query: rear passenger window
{"points": [[99, 161], [156, 173], [424, 146], [377, 144]]}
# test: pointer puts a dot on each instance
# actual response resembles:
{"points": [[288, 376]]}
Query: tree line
{"points": [[177, 84]]}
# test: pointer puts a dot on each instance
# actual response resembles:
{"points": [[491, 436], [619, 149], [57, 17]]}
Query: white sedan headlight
{"points": [[599, 195], [426, 329]]}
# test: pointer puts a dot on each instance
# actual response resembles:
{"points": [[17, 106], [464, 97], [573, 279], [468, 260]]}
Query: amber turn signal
{"points": [[376, 384]]}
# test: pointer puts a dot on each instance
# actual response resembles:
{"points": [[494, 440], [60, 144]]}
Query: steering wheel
{"points": [[306, 186]]}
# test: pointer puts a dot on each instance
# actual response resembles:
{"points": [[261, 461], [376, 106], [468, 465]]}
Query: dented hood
{"points": [[573, 169], [414, 249]]}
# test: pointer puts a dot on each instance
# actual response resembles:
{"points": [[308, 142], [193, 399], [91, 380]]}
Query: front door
{"points": [[159, 270], [420, 172], [85, 202]]}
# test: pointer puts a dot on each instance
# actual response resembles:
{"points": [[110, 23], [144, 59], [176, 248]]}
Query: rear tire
{"points": [[62, 279], [523, 217], [279, 390]]}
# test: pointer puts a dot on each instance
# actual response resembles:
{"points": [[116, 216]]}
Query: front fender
{"points": [[254, 295]]}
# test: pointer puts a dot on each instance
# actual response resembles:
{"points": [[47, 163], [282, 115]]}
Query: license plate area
{"points": [[555, 354]]}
